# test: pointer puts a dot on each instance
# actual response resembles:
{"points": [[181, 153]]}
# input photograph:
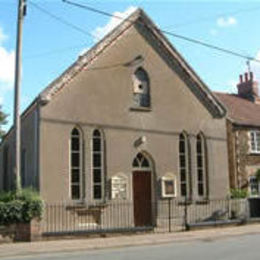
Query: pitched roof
{"points": [[157, 40], [239, 110]]}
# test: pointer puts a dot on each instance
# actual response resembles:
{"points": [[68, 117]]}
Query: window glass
{"points": [[201, 166], [75, 165], [183, 164], [97, 164]]}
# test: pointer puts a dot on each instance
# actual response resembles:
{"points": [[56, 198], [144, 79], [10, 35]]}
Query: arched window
{"points": [[76, 165], [141, 88], [140, 161], [184, 164], [201, 165], [97, 165]]}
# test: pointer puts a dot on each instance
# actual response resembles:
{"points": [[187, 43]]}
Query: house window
{"points": [[119, 187], [168, 183], [253, 186], [183, 164], [255, 141], [97, 164], [141, 84], [201, 165], [76, 165]]}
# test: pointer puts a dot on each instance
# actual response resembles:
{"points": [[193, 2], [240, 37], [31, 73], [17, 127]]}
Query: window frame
{"points": [[80, 167], [254, 141], [137, 94], [251, 195], [101, 167], [203, 166], [186, 168]]}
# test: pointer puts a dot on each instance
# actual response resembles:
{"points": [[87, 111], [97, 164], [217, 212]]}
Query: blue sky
{"points": [[49, 46]]}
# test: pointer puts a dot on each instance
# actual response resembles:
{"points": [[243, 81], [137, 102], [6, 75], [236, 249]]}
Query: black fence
{"points": [[166, 216]]}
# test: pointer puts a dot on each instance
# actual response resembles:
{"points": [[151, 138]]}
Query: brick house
{"points": [[243, 133]]}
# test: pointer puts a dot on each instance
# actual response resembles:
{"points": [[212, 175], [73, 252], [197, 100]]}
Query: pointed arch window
{"points": [[140, 161], [201, 165], [184, 164], [141, 93], [76, 165], [97, 165]]}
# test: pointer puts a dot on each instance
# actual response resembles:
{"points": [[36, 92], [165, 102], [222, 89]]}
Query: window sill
{"points": [[254, 153], [142, 109], [202, 201]]}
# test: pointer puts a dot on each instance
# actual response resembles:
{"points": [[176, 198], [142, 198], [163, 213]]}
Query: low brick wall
{"points": [[21, 232], [28, 231], [7, 234]]}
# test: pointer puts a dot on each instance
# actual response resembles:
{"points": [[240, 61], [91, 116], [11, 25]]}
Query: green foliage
{"points": [[238, 193], [3, 121], [20, 208]]}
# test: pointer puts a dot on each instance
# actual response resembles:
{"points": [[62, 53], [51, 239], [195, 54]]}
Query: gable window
{"points": [[201, 165], [76, 165], [183, 164], [255, 141], [141, 92], [97, 164]]}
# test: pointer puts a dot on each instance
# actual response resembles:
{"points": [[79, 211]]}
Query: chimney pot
{"points": [[251, 75], [246, 77], [241, 78]]}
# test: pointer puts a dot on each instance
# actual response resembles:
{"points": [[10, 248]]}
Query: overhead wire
{"points": [[61, 20], [189, 39]]}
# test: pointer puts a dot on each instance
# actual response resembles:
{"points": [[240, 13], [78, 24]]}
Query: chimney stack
{"points": [[248, 88]]}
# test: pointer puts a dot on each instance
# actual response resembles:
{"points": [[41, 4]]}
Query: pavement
{"points": [[85, 244]]}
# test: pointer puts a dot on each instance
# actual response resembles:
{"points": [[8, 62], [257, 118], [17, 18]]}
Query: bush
{"points": [[238, 194], [20, 208]]}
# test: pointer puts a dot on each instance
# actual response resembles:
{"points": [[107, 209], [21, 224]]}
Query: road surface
{"points": [[237, 248]]}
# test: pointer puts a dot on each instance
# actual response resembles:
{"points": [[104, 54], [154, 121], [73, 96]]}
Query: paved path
{"points": [[77, 245], [232, 248]]}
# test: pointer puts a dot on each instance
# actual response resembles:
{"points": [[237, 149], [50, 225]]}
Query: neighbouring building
{"points": [[243, 132], [128, 121]]}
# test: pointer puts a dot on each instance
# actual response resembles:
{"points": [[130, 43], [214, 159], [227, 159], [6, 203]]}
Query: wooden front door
{"points": [[142, 198]]}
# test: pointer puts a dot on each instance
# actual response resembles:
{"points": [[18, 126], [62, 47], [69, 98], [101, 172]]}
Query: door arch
{"points": [[142, 190]]}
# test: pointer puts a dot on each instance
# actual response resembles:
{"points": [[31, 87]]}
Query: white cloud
{"points": [[1, 100], [226, 21], [6, 64], [101, 31], [6, 67], [2, 35]]}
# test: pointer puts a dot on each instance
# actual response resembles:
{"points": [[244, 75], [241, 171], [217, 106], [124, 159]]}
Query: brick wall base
{"points": [[28, 231]]}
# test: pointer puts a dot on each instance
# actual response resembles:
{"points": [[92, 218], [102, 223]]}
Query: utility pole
{"points": [[17, 81]]}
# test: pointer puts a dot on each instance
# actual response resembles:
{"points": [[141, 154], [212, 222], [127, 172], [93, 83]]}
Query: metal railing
{"points": [[118, 216]]}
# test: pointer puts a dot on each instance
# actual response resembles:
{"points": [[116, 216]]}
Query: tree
{"points": [[3, 121]]}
